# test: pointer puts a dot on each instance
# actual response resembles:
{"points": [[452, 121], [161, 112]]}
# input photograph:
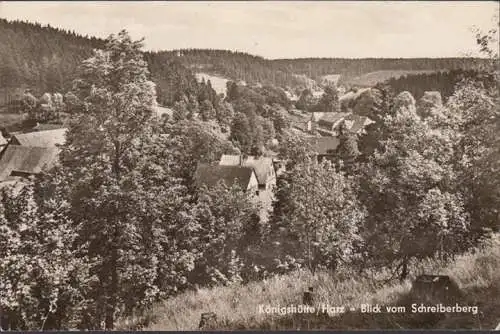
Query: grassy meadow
{"points": [[237, 307]]}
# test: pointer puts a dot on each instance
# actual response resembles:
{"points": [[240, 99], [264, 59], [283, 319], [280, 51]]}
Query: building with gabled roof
{"points": [[356, 123], [48, 138], [209, 175], [262, 166], [23, 161], [324, 146]]}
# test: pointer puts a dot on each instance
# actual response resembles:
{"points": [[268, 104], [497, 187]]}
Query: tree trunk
{"points": [[113, 290], [404, 270]]}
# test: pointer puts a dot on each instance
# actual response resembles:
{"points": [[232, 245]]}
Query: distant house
{"points": [[356, 123], [324, 146], [23, 161], [49, 138], [263, 167], [328, 124], [210, 175]]}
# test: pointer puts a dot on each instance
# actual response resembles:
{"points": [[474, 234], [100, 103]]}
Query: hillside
{"points": [[372, 78], [298, 72], [45, 59], [351, 68], [237, 307]]}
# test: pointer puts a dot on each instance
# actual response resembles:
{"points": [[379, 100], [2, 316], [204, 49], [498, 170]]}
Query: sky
{"points": [[281, 29]]}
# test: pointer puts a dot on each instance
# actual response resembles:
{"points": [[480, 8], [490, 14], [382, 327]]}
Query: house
{"points": [[330, 121], [356, 123], [324, 146], [49, 138], [22, 161], [210, 175], [262, 166]]}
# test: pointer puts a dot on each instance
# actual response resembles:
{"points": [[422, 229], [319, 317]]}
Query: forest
{"points": [[45, 59]]}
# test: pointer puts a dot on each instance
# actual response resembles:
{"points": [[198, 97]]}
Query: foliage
{"points": [[319, 215], [400, 183], [227, 220]]}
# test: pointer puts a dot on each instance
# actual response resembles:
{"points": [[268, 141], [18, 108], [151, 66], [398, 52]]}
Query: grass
{"points": [[10, 119], [237, 307], [218, 83]]}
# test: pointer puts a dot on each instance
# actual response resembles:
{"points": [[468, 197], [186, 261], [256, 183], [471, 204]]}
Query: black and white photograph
{"points": [[249, 165]]}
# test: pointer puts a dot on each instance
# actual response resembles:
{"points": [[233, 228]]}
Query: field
{"points": [[237, 307], [372, 78], [218, 83]]}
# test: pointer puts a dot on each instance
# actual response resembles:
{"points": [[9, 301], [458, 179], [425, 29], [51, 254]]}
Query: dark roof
{"points": [[262, 166], [49, 138], [329, 119], [26, 159], [324, 145], [210, 175]]}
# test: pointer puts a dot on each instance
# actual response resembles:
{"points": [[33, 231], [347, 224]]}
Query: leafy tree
{"points": [[40, 275], [207, 110], [241, 132], [329, 101], [224, 114], [305, 100], [318, 214], [399, 183], [279, 116], [123, 198], [29, 102], [224, 215], [190, 143]]}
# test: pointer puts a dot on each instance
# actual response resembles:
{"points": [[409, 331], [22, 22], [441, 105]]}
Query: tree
{"points": [[319, 214], [241, 132], [400, 183], [224, 214], [41, 278], [305, 100], [329, 101], [29, 102], [207, 110], [122, 195]]}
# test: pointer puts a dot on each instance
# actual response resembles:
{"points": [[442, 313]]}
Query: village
{"points": [[234, 178]]}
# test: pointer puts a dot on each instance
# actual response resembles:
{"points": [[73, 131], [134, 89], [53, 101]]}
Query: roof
{"points": [[262, 166], [324, 145], [359, 122], [49, 138], [210, 175], [331, 118], [3, 141], [26, 159]]}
